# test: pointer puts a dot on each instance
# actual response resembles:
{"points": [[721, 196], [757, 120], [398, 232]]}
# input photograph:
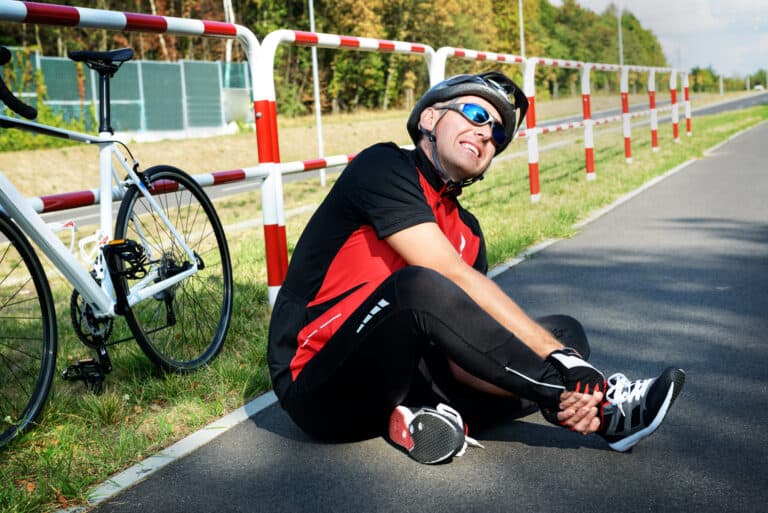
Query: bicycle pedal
{"points": [[131, 253], [87, 370]]}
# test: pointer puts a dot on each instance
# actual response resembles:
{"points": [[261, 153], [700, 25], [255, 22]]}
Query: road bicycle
{"points": [[165, 267]]}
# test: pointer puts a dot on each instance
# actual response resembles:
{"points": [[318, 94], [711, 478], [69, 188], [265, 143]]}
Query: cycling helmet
{"points": [[493, 86]]}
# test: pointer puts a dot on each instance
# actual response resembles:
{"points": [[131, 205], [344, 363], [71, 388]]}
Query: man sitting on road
{"points": [[387, 324]]}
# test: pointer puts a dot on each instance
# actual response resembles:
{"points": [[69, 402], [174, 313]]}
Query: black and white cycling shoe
{"points": [[632, 410], [429, 435]]}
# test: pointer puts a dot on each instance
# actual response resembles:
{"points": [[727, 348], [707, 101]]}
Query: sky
{"points": [[729, 35]]}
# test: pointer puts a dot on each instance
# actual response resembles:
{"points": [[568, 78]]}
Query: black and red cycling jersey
{"points": [[342, 257]]}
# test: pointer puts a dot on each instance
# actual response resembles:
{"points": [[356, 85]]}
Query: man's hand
{"points": [[578, 375], [578, 411]]}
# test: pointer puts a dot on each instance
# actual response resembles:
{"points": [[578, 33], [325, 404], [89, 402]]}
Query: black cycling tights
{"points": [[348, 390]]}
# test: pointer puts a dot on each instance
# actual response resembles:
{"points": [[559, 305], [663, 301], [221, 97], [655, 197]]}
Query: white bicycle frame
{"points": [[100, 297]]}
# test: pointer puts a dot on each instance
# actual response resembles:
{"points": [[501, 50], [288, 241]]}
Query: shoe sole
{"points": [[428, 438], [677, 381]]}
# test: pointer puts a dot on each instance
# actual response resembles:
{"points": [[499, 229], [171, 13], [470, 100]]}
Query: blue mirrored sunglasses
{"points": [[477, 115]]}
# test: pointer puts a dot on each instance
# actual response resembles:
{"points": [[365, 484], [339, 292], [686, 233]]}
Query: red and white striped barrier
{"points": [[69, 200], [265, 109], [687, 105], [261, 60], [652, 106], [437, 66], [589, 123], [624, 87], [529, 87], [82, 17]]}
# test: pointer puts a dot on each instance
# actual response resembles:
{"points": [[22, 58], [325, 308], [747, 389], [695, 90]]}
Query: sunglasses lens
{"points": [[498, 134], [475, 113]]}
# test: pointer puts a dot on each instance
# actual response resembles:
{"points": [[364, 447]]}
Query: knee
{"points": [[569, 332], [420, 287]]}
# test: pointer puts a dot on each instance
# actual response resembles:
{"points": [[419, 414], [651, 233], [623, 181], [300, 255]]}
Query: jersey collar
{"points": [[432, 175]]}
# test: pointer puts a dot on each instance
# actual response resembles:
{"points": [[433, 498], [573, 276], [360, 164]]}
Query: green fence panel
{"points": [[202, 93], [65, 86], [162, 95], [125, 92], [145, 95], [234, 75]]}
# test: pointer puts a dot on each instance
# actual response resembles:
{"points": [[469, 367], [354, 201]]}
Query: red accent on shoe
{"points": [[399, 432]]}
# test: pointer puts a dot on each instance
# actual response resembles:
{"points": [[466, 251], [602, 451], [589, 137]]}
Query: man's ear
{"points": [[427, 119]]}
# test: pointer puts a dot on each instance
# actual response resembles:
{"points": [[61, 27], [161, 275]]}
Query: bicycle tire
{"points": [[184, 327], [27, 333]]}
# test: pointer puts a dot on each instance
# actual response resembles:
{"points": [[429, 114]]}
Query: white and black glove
{"points": [[578, 375]]}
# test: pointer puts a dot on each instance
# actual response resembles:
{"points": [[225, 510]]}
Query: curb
{"points": [[142, 470]]}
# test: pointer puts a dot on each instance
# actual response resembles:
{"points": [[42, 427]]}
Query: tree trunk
{"points": [[163, 48], [409, 98], [37, 39], [387, 84], [59, 43]]}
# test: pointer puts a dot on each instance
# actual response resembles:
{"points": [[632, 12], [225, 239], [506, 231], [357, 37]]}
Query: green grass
{"points": [[82, 438]]}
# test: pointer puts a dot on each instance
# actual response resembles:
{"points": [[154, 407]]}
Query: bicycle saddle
{"points": [[103, 62]]}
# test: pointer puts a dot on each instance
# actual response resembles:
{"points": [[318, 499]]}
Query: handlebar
{"points": [[7, 96]]}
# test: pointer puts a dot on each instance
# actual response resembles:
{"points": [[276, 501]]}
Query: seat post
{"points": [[105, 117]]}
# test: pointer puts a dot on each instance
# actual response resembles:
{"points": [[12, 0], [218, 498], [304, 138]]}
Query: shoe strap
{"points": [[456, 416]]}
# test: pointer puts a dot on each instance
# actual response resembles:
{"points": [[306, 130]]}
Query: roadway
{"points": [[676, 274]]}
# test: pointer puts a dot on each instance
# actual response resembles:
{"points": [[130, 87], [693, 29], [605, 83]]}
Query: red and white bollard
{"points": [[529, 87], [652, 106], [589, 138], [625, 114], [673, 98], [687, 104]]}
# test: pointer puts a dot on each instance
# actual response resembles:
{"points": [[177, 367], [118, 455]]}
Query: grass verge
{"points": [[82, 438]]}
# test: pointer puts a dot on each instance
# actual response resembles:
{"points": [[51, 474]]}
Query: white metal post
{"points": [[316, 83], [184, 110], [142, 101]]}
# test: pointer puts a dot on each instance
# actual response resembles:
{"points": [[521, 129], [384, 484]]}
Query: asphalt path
{"points": [[676, 275]]}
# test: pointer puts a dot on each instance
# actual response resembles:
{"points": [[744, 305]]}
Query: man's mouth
{"points": [[472, 148]]}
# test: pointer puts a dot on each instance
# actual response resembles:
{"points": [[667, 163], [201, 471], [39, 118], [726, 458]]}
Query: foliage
{"points": [[22, 77], [354, 79], [707, 80]]}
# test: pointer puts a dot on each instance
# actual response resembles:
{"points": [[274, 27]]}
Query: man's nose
{"points": [[484, 131]]}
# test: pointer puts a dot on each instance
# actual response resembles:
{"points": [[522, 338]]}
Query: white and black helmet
{"points": [[493, 86]]}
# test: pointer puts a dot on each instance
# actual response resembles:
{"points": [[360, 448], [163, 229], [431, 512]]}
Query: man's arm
{"points": [[442, 257], [577, 411]]}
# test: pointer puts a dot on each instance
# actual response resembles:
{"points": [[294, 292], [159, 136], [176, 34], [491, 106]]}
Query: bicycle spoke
{"points": [[201, 304], [27, 334]]}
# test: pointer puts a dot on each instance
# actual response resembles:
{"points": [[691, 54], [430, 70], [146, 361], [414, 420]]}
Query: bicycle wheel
{"points": [[183, 327], [27, 333]]}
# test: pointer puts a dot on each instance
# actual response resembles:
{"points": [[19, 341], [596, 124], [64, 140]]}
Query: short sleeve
{"points": [[386, 190]]}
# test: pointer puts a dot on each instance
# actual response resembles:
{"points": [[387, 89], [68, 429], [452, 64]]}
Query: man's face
{"points": [[464, 149]]}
